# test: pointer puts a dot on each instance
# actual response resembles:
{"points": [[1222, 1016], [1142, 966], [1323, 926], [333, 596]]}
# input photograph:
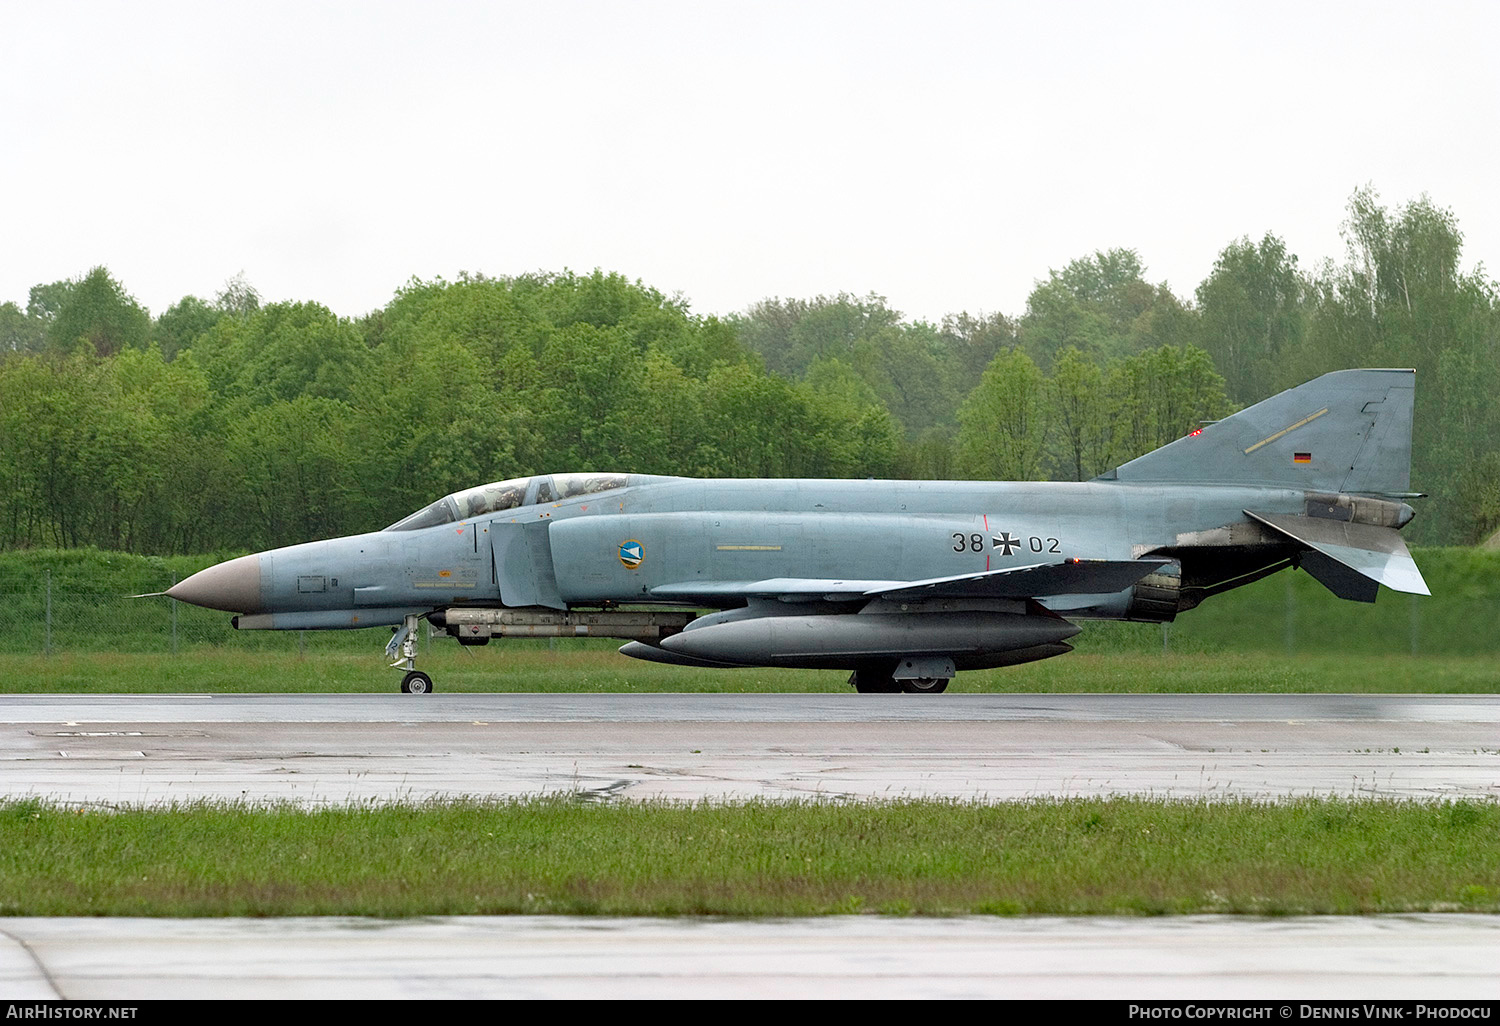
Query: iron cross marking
{"points": [[1006, 542]]}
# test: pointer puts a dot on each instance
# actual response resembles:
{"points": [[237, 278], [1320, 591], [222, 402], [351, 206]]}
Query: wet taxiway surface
{"points": [[327, 749], [1200, 957], [320, 749]]}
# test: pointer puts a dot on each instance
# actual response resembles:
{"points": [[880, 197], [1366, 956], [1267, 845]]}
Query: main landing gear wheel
{"points": [[925, 685], [416, 683]]}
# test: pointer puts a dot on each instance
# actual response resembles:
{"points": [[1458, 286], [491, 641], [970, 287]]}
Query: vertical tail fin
{"points": [[1348, 431]]}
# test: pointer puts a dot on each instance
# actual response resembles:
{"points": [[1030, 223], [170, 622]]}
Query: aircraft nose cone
{"points": [[233, 586]]}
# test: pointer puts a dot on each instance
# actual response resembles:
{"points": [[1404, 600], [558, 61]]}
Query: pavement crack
{"points": [[36, 960]]}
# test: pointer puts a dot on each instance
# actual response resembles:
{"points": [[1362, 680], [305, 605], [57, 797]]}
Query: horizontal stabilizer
{"points": [[1070, 577], [1376, 555]]}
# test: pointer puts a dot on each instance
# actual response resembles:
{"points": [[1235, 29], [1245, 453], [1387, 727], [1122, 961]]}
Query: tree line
{"points": [[231, 423]]}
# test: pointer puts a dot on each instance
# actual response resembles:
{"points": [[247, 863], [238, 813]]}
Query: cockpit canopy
{"points": [[503, 495]]}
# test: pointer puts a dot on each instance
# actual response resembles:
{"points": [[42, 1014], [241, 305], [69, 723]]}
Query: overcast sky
{"points": [[944, 155]]}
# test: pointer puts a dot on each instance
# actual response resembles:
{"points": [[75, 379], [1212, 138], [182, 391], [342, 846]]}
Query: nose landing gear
{"points": [[405, 641]]}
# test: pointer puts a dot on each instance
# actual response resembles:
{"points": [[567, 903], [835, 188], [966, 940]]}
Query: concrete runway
{"points": [[1200, 958], [326, 749], [322, 749]]}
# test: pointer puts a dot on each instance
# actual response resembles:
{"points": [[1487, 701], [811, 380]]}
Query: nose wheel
{"points": [[404, 641]]}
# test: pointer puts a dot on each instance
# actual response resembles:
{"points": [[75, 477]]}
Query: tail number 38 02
{"points": [[1005, 541]]}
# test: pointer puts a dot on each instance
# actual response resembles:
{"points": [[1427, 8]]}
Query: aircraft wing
{"points": [[1350, 559], [1070, 577], [791, 589]]}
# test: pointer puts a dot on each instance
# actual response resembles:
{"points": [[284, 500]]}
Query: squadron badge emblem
{"points": [[632, 554]]}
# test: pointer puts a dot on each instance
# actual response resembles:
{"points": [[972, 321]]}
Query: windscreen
{"points": [[440, 512], [473, 502], [503, 495]]}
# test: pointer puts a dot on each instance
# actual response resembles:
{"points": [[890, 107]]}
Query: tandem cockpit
{"points": [[512, 494]]}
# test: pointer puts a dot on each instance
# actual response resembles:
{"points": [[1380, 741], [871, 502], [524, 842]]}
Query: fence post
{"points": [[1291, 617], [49, 613], [1415, 617], [174, 616]]}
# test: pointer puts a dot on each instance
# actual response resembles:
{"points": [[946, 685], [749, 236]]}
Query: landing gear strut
{"points": [[404, 641]]}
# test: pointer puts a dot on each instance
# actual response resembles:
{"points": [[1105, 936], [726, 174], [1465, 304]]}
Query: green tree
{"points": [[295, 476], [931, 456], [790, 334], [19, 331], [1252, 316], [1477, 504], [858, 435], [1004, 420], [909, 371], [97, 309], [1161, 395], [1080, 417], [975, 340], [293, 349], [45, 301], [238, 298], [423, 423], [591, 377], [480, 313], [747, 413], [1103, 306], [1400, 299], [182, 324]]}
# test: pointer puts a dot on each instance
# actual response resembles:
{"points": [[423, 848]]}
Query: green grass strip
{"points": [[525, 668], [557, 855]]}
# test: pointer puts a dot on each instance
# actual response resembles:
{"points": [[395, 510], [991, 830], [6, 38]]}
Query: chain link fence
{"points": [[43, 612], [39, 614]]}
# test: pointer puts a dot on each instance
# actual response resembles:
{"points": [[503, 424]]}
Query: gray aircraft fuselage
{"points": [[712, 532], [902, 581]]}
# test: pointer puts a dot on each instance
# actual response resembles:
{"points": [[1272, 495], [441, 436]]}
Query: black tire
{"points": [[925, 685], [874, 682], [416, 683]]}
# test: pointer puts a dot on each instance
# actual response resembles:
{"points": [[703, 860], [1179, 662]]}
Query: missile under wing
{"points": [[901, 582]]}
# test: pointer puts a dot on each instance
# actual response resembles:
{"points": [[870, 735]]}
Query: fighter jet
{"points": [[901, 582]]}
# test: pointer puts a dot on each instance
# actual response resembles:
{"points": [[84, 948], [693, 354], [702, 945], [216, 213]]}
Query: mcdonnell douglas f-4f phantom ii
{"points": [[902, 582]]}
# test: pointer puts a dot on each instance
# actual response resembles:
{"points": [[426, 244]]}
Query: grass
{"points": [[555, 855], [583, 668]]}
